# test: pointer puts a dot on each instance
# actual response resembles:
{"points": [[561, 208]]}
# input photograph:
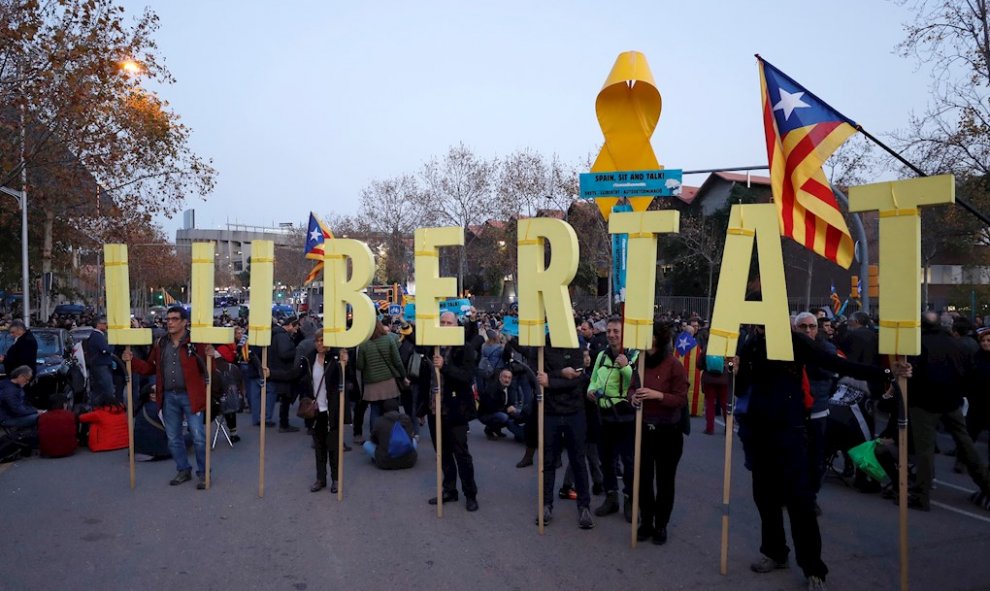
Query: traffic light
{"points": [[874, 284], [854, 289]]}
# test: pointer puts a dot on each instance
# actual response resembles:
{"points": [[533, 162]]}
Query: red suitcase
{"points": [[57, 433]]}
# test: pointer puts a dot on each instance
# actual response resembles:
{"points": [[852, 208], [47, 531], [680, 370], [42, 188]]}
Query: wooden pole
{"points": [[727, 474], [902, 475], [209, 415], [541, 443], [130, 419], [638, 451], [264, 405], [340, 433], [438, 401]]}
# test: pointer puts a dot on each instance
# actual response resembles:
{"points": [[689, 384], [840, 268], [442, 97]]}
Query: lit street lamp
{"points": [[21, 198]]}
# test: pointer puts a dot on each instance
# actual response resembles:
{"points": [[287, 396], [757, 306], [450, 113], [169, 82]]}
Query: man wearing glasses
{"points": [[179, 368], [821, 383]]}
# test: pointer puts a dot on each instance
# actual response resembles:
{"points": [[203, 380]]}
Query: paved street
{"points": [[73, 523]]}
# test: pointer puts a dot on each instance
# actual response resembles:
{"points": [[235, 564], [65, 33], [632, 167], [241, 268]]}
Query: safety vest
{"points": [[612, 381]]}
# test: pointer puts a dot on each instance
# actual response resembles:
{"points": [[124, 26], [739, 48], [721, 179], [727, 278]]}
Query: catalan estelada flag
{"points": [[687, 351], [802, 132], [316, 233]]}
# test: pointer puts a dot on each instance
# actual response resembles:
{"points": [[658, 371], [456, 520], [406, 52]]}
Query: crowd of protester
{"points": [[591, 394]]}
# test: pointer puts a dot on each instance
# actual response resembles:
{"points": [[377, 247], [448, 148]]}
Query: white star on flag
{"points": [[788, 102], [683, 343], [315, 235]]}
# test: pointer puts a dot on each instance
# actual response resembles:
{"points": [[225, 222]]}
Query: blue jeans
{"points": [[176, 407], [25, 421], [254, 399], [374, 411]]}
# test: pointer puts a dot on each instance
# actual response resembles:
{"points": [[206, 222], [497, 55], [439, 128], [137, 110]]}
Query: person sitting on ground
{"points": [[14, 411], [150, 441], [499, 405], [391, 445]]}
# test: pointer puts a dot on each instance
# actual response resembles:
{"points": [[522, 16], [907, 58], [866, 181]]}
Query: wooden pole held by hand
{"points": [[902, 474], [638, 451], [264, 419], [130, 419], [541, 443], [727, 475], [438, 401], [209, 414], [340, 432]]}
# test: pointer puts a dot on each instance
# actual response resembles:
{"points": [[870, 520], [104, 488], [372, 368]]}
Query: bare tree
{"points": [[458, 191], [393, 210], [527, 183]]}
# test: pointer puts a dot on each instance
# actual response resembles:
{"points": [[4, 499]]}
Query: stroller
{"points": [[850, 423]]}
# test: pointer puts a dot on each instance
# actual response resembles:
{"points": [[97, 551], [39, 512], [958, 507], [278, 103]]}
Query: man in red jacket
{"points": [[179, 368]]}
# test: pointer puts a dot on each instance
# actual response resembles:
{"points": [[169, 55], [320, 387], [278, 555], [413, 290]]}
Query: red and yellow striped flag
{"points": [[801, 133]]}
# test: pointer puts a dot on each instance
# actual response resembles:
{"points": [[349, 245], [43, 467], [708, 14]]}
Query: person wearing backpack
{"points": [[391, 445], [612, 378]]}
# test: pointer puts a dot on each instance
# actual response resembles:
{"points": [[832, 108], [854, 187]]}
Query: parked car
{"points": [[52, 372]]}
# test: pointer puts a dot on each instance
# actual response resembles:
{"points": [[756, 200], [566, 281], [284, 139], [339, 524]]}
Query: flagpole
{"points": [[959, 200]]}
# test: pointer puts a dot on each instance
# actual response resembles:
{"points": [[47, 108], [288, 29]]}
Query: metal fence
{"points": [[677, 305]]}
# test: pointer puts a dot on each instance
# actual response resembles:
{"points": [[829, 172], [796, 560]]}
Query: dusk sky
{"points": [[302, 104]]}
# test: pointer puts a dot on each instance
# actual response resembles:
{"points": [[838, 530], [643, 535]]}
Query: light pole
{"points": [[21, 197]]}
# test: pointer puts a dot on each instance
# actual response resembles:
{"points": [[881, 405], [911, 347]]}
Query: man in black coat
{"points": [[565, 427], [24, 351], [457, 367], [935, 394], [99, 362], [281, 360]]}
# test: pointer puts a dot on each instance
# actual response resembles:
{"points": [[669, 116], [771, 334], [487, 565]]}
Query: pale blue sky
{"points": [[301, 104]]}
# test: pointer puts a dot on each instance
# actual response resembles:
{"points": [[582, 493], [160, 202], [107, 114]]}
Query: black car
{"points": [[52, 372]]}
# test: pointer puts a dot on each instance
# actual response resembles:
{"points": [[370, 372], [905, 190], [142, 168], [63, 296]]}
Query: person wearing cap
{"points": [[281, 360], [99, 363]]}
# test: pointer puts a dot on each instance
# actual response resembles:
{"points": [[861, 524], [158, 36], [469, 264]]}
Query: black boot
{"points": [[527, 459], [611, 504]]}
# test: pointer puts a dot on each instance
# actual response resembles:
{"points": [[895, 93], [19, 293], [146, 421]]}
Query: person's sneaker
{"points": [[572, 495], [235, 438], [660, 537], [766, 564], [201, 485], [471, 504], [565, 492], [318, 486], [547, 516], [358, 439], [816, 584], [584, 518], [288, 429], [180, 477], [347, 448], [490, 434], [333, 487]]}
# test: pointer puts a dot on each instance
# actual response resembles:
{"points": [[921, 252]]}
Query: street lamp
{"points": [[21, 198]]}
